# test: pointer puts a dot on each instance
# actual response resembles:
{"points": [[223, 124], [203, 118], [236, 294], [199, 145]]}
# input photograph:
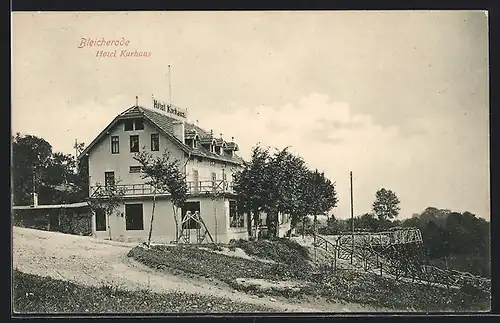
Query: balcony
{"points": [[193, 188]]}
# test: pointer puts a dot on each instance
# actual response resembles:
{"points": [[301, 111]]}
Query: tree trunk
{"points": [[249, 224], [109, 227], [271, 223], [174, 211], [256, 222], [152, 218], [303, 226]]}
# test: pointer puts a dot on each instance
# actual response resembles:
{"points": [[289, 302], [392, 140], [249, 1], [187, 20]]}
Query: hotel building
{"points": [[208, 162]]}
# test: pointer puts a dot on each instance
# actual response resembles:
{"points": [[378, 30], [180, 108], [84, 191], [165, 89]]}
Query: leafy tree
{"points": [[367, 221], [53, 175], [289, 182], [164, 175], [30, 158], [249, 186], [459, 240], [107, 199], [386, 204], [281, 182]]}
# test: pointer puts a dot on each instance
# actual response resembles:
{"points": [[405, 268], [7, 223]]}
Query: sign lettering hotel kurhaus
{"points": [[157, 104]]}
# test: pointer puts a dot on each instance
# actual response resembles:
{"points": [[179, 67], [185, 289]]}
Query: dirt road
{"points": [[94, 262]]}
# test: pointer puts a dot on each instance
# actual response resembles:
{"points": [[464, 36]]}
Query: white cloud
{"points": [[325, 133]]}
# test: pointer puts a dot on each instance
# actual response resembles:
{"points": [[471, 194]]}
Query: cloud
{"points": [[423, 165], [327, 134]]}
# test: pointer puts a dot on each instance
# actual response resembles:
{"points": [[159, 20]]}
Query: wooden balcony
{"points": [[193, 188]]}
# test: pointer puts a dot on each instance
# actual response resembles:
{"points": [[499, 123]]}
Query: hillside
{"points": [[92, 263]]}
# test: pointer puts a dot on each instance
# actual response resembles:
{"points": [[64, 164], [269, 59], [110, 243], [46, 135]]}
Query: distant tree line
{"points": [[451, 240]]}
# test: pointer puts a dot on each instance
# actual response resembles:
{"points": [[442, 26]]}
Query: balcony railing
{"points": [[193, 188]]}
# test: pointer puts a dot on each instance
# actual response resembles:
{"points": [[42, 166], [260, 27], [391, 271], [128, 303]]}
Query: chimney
{"points": [[178, 129]]}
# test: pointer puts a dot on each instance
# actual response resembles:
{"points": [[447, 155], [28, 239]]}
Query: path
{"points": [[94, 262]]}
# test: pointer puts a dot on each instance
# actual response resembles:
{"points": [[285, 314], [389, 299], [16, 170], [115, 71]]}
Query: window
{"points": [[135, 169], [109, 179], [100, 220], [155, 142], [133, 217], [236, 220], [134, 144], [129, 125], [194, 209], [139, 124], [115, 144]]}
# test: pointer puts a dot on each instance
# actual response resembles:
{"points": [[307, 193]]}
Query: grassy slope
{"points": [[35, 294], [292, 264]]}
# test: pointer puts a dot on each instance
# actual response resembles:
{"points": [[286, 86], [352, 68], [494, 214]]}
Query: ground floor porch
{"points": [[202, 219]]}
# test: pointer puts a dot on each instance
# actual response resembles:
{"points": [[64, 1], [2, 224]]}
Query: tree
{"points": [[386, 205], [54, 176], [368, 221], [281, 182], [461, 239], [249, 186], [164, 175], [289, 178], [107, 199], [30, 158]]}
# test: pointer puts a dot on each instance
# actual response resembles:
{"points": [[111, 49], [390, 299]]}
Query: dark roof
{"points": [[165, 125], [232, 145]]}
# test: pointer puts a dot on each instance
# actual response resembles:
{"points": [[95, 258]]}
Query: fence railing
{"points": [[368, 259], [193, 187]]}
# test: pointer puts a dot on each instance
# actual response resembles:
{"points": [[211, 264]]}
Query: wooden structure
{"points": [[201, 231], [396, 253]]}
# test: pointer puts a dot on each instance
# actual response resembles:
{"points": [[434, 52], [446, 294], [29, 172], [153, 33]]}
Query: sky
{"points": [[400, 98]]}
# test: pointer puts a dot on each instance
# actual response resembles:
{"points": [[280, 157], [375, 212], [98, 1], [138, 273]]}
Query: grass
{"points": [[344, 285], [279, 250], [35, 294]]}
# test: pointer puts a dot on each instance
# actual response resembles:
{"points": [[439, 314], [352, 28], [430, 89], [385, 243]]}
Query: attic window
{"points": [[139, 124], [134, 124], [129, 125]]}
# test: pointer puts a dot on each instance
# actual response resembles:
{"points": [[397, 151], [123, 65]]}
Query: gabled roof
{"points": [[165, 125]]}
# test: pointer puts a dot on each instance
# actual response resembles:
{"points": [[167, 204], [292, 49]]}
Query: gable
{"points": [[165, 125]]}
